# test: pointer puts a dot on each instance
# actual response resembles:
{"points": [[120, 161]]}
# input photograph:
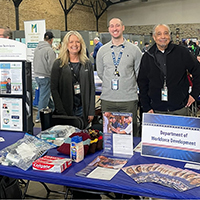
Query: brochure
{"points": [[11, 113], [11, 78], [102, 167], [118, 134], [166, 175]]}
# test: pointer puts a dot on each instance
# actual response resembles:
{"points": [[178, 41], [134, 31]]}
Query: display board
{"points": [[15, 96], [171, 137], [15, 87]]}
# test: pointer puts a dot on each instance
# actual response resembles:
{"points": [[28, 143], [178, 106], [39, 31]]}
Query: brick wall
{"points": [[79, 18], [186, 30]]}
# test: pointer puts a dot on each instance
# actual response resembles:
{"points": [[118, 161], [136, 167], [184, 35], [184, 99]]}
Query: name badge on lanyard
{"points": [[115, 82], [77, 89]]}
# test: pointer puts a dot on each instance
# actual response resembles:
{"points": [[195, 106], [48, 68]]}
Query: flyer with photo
{"points": [[165, 175], [118, 133], [102, 167], [11, 78], [11, 116]]}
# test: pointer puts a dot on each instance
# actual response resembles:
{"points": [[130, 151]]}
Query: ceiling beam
{"points": [[98, 6], [17, 3], [67, 10]]}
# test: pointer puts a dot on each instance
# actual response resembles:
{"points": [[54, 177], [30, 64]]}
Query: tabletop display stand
{"points": [[16, 96], [15, 87]]}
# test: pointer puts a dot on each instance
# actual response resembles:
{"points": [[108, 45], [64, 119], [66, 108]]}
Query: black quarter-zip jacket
{"points": [[151, 79]]}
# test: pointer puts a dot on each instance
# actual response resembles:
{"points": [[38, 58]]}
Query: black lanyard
{"points": [[161, 60], [116, 63], [73, 73]]}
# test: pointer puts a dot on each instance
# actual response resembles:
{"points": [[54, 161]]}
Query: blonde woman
{"points": [[72, 80]]}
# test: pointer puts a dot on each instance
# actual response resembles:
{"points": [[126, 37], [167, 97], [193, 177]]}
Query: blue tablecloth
{"points": [[121, 183]]}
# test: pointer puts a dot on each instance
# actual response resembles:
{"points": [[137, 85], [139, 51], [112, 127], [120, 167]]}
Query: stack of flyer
{"points": [[174, 177], [52, 164]]}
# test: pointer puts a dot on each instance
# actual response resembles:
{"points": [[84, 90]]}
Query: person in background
{"points": [[198, 58], [72, 80], [44, 56], [117, 66], [98, 44], [5, 32], [197, 50], [162, 80], [146, 47]]}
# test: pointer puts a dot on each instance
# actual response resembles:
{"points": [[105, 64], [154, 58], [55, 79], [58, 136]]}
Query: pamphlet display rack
{"points": [[16, 96]]}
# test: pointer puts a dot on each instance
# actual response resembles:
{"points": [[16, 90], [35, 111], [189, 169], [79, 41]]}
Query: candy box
{"points": [[52, 164]]}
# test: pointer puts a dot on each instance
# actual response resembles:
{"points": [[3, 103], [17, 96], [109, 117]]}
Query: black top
{"points": [[62, 90], [178, 61], [75, 68]]}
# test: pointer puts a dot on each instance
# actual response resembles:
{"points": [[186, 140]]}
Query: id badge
{"points": [[164, 94], [77, 88], [115, 84]]}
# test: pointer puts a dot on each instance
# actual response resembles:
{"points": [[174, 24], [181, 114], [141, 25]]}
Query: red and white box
{"points": [[52, 164]]}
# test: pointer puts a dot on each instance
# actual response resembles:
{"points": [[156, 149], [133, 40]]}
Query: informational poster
{"points": [[118, 134], [34, 32], [11, 78], [12, 50], [11, 114], [171, 137]]}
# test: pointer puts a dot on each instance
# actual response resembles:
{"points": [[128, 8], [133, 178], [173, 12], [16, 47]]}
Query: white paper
{"points": [[192, 166], [103, 173], [122, 144]]}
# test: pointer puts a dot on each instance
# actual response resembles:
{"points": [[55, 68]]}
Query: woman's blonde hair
{"points": [[64, 53]]}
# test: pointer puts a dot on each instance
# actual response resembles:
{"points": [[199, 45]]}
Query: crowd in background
{"points": [[192, 45]]}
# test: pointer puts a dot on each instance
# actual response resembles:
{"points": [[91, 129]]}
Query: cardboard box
{"points": [[52, 164]]}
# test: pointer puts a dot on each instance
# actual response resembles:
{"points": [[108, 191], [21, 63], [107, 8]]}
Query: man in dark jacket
{"points": [[162, 80], [98, 44]]}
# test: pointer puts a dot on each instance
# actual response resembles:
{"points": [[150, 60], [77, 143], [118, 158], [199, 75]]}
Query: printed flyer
{"points": [[169, 176], [11, 78], [11, 114], [118, 134], [102, 167]]}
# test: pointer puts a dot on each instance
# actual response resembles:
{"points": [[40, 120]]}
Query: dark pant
{"points": [[129, 106], [183, 111]]}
